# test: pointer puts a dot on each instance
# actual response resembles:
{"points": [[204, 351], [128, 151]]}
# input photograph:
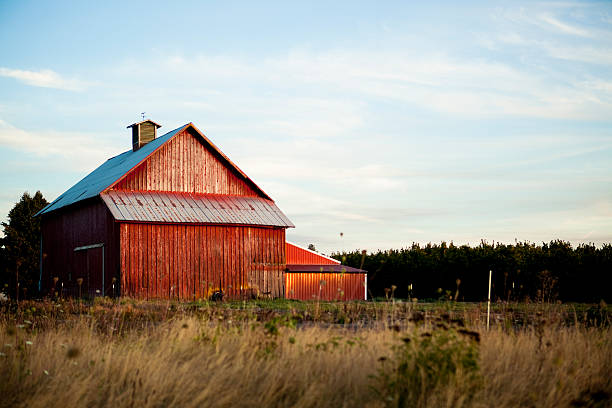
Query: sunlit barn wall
{"points": [[192, 261], [325, 286], [310, 284]]}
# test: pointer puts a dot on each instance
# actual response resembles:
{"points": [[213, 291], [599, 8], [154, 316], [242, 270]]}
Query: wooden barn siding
{"points": [[337, 286], [192, 261], [184, 164], [299, 256], [62, 231]]}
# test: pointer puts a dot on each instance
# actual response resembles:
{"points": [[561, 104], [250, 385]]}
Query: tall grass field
{"points": [[303, 354]]}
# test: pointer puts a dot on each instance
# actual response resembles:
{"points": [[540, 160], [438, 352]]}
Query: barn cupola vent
{"points": [[143, 133]]}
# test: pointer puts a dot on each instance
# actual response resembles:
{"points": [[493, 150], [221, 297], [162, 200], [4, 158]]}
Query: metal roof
{"points": [[171, 207], [115, 168], [323, 269], [144, 121]]}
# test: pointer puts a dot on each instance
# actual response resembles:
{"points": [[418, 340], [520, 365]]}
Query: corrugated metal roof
{"points": [[323, 269], [105, 175], [169, 207]]}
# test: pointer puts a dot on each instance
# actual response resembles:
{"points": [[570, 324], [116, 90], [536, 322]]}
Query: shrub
{"points": [[424, 365]]}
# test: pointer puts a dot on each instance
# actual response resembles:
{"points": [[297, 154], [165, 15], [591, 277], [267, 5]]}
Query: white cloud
{"points": [[564, 27], [599, 85], [590, 222], [327, 93], [586, 53], [66, 150], [540, 28], [44, 78], [590, 53]]}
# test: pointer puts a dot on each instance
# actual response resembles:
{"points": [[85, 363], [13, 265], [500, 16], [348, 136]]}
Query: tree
{"points": [[21, 246], [312, 247]]}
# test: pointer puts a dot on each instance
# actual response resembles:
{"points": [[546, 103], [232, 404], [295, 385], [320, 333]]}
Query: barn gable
{"points": [[189, 163], [119, 168]]}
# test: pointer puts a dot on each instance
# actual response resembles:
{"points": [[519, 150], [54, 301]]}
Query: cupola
{"points": [[143, 133]]}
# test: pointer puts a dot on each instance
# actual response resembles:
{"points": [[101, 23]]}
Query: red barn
{"points": [[171, 218], [311, 275]]}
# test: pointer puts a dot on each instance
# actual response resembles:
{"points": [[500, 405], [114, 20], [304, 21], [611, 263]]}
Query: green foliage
{"points": [[272, 326], [21, 246], [523, 271], [272, 330], [423, 365]]}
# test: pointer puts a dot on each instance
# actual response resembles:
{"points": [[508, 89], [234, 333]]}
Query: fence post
{"points": [[489, 300]]}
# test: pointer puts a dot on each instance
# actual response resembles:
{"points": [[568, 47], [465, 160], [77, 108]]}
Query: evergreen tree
{"points": [[21, 247]]}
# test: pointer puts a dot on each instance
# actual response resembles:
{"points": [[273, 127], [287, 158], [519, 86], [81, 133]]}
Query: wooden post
{"points": [[489, 300]]}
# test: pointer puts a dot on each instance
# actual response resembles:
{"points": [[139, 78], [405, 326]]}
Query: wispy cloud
{"points": [[474, 88], [591, 222], [589, 53], [68, 150], [45, 78], [564, 27]]}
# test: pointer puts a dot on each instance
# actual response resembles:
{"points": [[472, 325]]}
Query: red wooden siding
{"points": [[299, 256], [185, 164], [192, 261], [63, 231], [325, 286]]}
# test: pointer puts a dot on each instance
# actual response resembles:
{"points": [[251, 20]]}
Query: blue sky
{"points": [[391, 124]]}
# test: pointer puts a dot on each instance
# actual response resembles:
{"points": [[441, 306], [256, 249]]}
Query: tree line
{"points": [[523, 271]]}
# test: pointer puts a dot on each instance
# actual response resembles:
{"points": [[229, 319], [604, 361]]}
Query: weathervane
{"points": [[142, 114]]}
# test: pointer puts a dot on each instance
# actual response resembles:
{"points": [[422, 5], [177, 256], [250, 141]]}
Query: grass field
{"points": [[304, 354]]}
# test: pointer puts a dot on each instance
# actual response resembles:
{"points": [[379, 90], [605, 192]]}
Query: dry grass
{"points": [[138, 355]]}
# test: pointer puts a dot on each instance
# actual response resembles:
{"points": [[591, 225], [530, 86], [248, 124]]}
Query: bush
{"points": [[424, 365]]}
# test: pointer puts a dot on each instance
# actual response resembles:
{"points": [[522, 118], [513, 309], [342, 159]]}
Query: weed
{"points": [[422, 365]]}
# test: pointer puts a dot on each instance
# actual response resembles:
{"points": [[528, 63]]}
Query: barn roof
{"points": [[115, 168], [323, 269], [171, 207], [144, 121]]}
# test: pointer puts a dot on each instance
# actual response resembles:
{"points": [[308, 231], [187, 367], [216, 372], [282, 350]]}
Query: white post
{"points": [[489, 300]]}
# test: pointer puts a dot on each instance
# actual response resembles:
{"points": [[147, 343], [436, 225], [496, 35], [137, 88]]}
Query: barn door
{"points": [[90, 268], [94, 270]]}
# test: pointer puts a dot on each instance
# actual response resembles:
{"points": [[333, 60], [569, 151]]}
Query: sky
{"points": [[372, 126]]}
